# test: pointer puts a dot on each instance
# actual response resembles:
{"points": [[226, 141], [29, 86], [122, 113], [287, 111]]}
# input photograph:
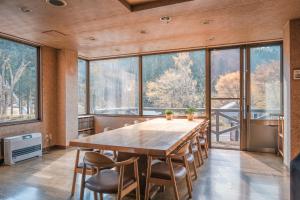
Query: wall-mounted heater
{"points": [[22, 147]]}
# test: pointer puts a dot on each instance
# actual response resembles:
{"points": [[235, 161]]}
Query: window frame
{"points": [[242, 46], [174, 52], [139, 114], [87, 85], [39, 74]]}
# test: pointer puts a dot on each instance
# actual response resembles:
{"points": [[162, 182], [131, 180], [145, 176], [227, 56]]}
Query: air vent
{"points": [[57, 3], [55, 33], [27, 150]]}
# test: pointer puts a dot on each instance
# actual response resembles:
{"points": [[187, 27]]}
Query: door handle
{"points": [[247, 108]]}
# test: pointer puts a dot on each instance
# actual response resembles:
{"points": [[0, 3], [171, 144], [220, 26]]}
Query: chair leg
{"points": [[95, 196], [189, 176], [147, 192], [75, 172], [206, 152], [82, 183], [173, 178], [136, 172], [74, 183], [201, 153], [101, 196], [195, 169], [197, 155]]}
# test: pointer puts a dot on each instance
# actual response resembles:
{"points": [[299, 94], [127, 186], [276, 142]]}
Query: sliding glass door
{"points": [[225, 98], [264, 98]]}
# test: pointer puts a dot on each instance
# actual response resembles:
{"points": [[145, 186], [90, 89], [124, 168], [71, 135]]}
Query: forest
{"points": [[18, 81], [177, 81]]}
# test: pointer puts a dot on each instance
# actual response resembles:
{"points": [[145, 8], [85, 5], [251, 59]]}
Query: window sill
{"points": [[14, 123]]}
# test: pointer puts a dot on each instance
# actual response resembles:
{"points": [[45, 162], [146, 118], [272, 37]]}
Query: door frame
{"points": [[243, 135], [247, 110]]}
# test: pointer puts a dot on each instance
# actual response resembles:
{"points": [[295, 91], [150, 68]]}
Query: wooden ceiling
{"points": [[104, 28]]}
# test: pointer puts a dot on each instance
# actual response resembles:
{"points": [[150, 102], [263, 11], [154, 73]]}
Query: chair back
{"points": [[97, 160], [183, 149]]}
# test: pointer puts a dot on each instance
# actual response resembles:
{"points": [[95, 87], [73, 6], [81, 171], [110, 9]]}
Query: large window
{"points": [[114, 86], [18, 81], [82, 86], [265, 67], [174, 81]]}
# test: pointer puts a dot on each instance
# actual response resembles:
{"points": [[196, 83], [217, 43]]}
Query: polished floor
{"points": [[226, 174]]}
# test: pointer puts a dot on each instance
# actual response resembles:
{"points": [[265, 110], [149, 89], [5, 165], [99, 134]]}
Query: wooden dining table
{"points": [[156, 137]]}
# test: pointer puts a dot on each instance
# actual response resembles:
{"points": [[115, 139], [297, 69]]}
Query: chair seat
{"points": [[189, 157], [161, 170], [107, 182], [81, 164]]}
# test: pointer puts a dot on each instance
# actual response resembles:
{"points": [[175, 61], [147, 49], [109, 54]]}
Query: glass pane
{"points": [[225, 73], [114, 86], [265, 82], [225, 124], [18, 81], [174, 81], [82, 87]]}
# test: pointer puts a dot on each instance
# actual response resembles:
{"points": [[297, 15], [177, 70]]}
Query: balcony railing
{"points": [[224, 121]]}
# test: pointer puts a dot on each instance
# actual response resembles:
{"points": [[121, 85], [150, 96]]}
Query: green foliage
{"points": [[169, 112], [190, 110]]}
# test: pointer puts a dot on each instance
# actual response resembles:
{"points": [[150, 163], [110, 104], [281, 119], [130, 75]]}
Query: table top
{"points": [[154, 137]]}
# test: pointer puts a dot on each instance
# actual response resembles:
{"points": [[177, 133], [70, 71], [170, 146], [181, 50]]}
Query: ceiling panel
{"points": [[102, 28]]}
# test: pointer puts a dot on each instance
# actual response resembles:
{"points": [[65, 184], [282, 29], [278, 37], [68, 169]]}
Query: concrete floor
{"points": [[226, 174]]}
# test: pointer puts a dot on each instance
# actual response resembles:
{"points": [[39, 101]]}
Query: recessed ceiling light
{"points": [[165, 19], [211, 38], [91, 38], [25, 9], [207, 21], [57, 3]]}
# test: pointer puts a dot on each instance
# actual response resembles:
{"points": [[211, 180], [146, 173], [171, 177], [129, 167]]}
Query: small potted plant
{"points": [[190, 113], [169, 114]]}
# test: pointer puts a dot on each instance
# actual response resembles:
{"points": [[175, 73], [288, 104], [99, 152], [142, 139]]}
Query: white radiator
{"points": [[22, 147]]}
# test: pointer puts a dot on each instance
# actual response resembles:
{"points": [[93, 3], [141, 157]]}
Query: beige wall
{"points": [[48, 99], [292, 89], [67, 122], [58, 98]]}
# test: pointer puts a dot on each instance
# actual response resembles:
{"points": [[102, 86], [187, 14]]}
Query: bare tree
{"points": [[175, 88], [7, 85]]}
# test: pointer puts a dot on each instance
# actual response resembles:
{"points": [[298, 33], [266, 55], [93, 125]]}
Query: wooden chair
{"points": [[78, 169], [190, 156], [167, 173], [108, 180], [203, 137]]}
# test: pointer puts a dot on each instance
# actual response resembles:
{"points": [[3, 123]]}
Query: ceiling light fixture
{"points": [[211, 38], [25, 9], [91, 38], [57, 3], [207, 21], [165, 19]]}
